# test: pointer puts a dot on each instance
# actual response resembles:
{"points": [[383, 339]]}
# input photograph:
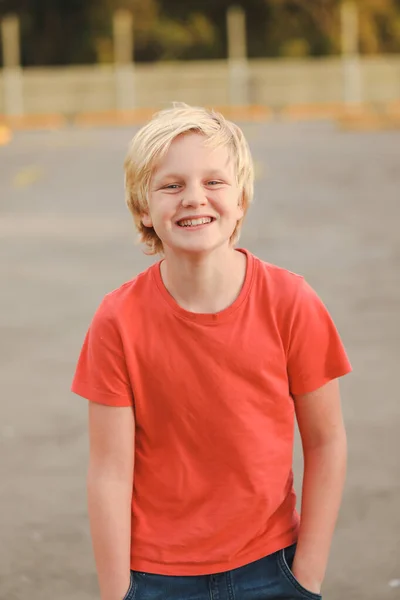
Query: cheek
{"points": [[240, 212], [162, 209], [228, 204], [234, 208]]}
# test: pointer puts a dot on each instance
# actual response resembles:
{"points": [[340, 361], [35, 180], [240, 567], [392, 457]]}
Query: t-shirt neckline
{"points": [[207, 318]]}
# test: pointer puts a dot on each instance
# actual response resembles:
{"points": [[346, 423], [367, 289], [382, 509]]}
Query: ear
{"points": [[146, 220]]}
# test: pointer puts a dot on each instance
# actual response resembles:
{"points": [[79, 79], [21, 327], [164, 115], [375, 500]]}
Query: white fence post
{"points": [[237, 57], [12, 72], [123, 59], [352, 87]]}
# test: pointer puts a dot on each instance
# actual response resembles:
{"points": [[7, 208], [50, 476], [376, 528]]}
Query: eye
{"points": [[213, 182], [172, 186]]}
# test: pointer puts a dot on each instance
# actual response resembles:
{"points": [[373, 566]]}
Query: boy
{"points": [[195, 370]]}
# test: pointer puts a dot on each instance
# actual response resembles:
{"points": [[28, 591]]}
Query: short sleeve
{"points": [[101, 374], [315, 353]]}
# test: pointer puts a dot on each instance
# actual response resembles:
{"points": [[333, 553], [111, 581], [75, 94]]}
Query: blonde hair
{"points": [[152, 142]]}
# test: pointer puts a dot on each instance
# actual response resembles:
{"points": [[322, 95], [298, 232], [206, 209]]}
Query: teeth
{"points": [[193, 222]]}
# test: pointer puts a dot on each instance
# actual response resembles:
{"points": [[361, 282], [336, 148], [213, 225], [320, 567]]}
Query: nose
{"points": [[194, 196]]}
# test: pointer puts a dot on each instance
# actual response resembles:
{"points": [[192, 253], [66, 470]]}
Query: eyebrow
{"points": [[212, 173], [217, 173]]}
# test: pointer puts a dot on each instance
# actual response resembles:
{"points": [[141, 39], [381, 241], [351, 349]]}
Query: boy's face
{"points": [[194, 201]]}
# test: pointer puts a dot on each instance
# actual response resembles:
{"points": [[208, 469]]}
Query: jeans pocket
{"points": [[285, 569], [130, 594]]}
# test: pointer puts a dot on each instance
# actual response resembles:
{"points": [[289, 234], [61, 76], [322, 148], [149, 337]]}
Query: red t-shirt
{"points": [[212, 396]]}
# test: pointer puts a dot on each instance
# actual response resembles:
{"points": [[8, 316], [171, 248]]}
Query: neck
{"points": [[206, 284]]}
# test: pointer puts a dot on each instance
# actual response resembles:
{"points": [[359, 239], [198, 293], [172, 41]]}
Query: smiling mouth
{"points": [[195, 222]]}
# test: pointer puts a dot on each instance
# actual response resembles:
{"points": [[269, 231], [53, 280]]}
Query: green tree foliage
{"points": [[317, 23], [52, 31], [57, 32], [158, 35]]}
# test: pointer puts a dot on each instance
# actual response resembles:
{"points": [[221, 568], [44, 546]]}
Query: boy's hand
{"points": [[306, 579]]}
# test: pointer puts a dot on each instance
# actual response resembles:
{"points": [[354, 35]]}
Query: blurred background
{"points": [[66, 60], [315, 85]]}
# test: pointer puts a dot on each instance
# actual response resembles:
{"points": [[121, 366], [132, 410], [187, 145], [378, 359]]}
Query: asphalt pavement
{"points": [[327, 206]]}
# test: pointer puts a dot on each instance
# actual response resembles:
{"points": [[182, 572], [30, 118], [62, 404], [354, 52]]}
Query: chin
{"points": [[199, 248]]}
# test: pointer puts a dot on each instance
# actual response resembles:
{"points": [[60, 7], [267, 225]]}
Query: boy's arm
{"points": [[322, 431], [109, 486]]}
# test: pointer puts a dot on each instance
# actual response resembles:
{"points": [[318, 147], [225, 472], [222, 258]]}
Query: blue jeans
{"points": [[269, 578]]}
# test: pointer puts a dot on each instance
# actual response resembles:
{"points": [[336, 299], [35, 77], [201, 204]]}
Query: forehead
{"points": [[193, 151]]}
